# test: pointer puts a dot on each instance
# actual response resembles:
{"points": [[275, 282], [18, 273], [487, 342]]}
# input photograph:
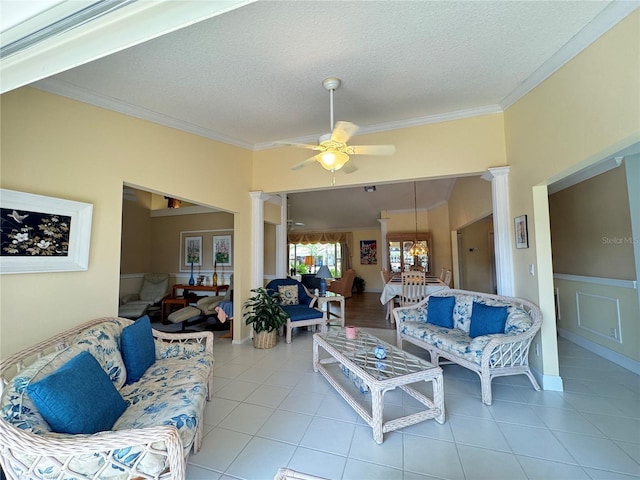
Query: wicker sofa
{"points": [[457, 328], [163, 410]]}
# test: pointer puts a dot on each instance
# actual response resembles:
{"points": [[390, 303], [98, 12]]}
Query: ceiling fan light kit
{"points": [[333, 148]]}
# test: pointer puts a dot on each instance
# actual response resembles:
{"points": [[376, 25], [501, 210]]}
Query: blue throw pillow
{"points": [[486, 319], [138, 348], [79, 397], [440, 311]]}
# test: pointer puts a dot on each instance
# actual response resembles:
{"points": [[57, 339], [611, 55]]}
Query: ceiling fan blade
{"points": [[300, 145], [373, 149], [304, 163], [343, 131], [349, 167]]}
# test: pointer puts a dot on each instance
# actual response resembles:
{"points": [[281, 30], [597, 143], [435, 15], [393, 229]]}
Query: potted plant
{"points": [[264, 314], [358, 284]]}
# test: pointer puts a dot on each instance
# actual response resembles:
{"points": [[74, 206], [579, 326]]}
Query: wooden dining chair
{"points": [[414, 288], [443, 271]]}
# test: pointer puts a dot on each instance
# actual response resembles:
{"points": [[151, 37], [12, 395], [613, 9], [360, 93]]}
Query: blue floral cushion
{"points": [[440, 311], [487, 319], [103, 342], [78, 398], [518, 321], [170, 393], [138, 348]]}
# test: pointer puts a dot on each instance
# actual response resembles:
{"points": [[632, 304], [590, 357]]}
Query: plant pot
{"points": [[264, 339]]}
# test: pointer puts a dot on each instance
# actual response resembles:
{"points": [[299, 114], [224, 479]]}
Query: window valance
{"points": [[320, 237]]}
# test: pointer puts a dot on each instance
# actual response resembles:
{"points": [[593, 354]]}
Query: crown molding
{"points": [[68, 90], [610, 16]]}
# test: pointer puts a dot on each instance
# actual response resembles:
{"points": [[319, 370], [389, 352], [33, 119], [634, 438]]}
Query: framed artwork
{"points": [[222, 256], [368, 252], [43, 234], [522, 232], [193, 251]]}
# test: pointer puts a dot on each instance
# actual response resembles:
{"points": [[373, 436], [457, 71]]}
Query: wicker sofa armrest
{"points": [[19, 445]]}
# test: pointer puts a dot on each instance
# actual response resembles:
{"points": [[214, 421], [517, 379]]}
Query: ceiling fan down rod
{"points": [[331, 84]]}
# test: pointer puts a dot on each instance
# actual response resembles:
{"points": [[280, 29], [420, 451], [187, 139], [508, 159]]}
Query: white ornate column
{"points": [[383, 250], [257, 238], [499, 177]]}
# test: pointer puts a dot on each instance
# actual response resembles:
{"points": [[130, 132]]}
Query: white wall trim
{"points": [[615, 357], [616, 306], [609, 282], [552, 383]]}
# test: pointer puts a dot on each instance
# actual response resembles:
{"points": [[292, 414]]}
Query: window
{"points": [[308, 258]]}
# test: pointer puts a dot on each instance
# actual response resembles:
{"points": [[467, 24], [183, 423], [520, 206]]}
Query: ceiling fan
{"points": [[333, 148]]}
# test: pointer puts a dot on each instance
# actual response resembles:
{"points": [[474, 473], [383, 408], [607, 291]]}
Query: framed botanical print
{"points": [[521, 232]]}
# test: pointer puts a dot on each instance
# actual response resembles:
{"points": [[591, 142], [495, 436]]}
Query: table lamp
{"points": [[323, 273]]}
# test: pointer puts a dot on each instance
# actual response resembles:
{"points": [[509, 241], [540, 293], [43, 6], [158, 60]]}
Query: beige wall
{"points": [[470, 200], [66, 149], [585, 221], [370, 273], [588, 109], [135, 252], [476, 256], [447, 149]]}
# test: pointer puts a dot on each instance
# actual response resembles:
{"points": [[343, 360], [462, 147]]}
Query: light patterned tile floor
{"points": [[270, 410]]}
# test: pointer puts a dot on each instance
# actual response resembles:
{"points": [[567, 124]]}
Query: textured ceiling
{"points": [[253, 76]]}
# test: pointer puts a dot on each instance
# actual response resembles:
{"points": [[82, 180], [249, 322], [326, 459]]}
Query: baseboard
{"points": [[242, 341], [552, 383], [615, 357]]}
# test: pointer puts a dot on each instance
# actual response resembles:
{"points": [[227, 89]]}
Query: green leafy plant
{"points": [[263, 311], [358, 285]]}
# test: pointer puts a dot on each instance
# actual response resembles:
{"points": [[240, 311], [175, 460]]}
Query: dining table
{"points": [[393, 288]]}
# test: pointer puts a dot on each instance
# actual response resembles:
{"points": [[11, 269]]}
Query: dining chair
{"points": [[443, 272], [414, 288], [447, 278]]}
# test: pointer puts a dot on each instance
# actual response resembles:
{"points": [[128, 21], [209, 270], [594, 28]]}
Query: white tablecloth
{"points": [[393, 288]]}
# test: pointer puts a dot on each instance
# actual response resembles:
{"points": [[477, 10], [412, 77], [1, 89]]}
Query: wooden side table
{"points": [[217, 289], [324, 303]]}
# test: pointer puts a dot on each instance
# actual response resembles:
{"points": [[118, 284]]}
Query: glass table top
{"points": [[362, 352]]}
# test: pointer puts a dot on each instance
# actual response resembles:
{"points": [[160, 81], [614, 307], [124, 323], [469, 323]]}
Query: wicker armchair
{"points": [[344, 285]]}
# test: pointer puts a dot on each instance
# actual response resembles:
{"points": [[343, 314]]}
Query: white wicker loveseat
{"points": [[163, 410], [445, 330]]}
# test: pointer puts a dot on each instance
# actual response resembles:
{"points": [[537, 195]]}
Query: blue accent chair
{"points": [[304, 314]]}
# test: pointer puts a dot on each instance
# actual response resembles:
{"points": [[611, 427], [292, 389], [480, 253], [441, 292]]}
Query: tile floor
{"points": [[270, 410]]}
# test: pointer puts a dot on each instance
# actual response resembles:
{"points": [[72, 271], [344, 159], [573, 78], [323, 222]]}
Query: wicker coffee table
{"points": [[398, 369]]}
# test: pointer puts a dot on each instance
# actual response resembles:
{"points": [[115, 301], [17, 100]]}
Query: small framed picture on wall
{"points": [[193, 251], [522, 232]]}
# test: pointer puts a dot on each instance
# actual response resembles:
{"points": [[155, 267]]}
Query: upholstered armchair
{"points": [[344, 285], [154, 288]]}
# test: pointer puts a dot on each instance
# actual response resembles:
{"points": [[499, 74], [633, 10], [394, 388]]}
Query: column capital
{"points": [[494, 172], [259, 195]]}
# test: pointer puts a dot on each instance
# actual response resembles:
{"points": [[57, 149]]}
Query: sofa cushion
{"points": [[487, 319], [170, 393], [103, 342], [78, 398], [288, 294], [301, 312], [138, 348], [518, 321], [440, 311], [303, 298]]}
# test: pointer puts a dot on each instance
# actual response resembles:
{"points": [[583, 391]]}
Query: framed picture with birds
{"points": [[43, 234]]}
